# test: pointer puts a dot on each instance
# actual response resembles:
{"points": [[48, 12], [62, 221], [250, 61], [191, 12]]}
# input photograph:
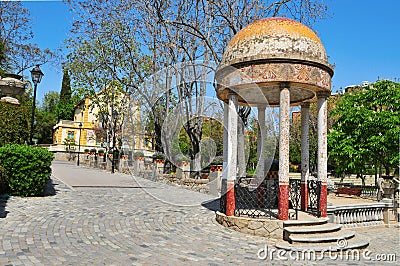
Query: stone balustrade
{"points": [[359, 214]]}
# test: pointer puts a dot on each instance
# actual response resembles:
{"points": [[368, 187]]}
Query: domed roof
{"points": [[275, 38]]}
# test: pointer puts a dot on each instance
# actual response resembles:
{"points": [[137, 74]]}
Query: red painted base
{"points": [[304, 196], [283, 205], [323, 203], [230, 198]]}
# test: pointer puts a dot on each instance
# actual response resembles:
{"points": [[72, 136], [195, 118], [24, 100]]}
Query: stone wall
{"points": [[259, 227]]}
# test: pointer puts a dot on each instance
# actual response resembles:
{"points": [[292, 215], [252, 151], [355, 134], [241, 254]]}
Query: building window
{"points": [[71, 135]]}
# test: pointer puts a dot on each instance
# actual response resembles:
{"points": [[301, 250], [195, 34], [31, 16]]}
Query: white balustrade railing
{"points": [[358, 214]]}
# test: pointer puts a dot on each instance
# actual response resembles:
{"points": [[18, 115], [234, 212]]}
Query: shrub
{"points": [[218, 160], [26, 169], [181, 158], [101, 151], [14, 124], [158, 156], [138, 154], [3, 181], [86, 150]]}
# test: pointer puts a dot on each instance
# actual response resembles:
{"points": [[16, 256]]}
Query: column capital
{"points": [[231, 93], [323, 94], [284, 85], [305, 105]]}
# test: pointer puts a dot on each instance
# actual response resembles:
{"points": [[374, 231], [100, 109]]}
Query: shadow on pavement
{"points": [[212, 205], [3, 203], [49, 189]]}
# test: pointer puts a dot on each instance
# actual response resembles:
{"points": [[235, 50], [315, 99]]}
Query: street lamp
{"points": [[114, 116], [37, 75], [79, 142]]}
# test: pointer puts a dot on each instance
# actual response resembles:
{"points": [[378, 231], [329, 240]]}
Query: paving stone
{"points": [[139, 223]]}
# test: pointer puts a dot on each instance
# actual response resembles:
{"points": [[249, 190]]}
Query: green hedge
{"points": [[26, 169], [14, 124]]}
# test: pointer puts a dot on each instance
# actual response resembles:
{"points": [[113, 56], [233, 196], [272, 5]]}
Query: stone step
{"points": [[325, 237], [353, 243], [291, 223], [316, 229], [321, 228]]}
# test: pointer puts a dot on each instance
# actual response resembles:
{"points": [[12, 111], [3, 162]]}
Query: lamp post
{"points": [[114, 116], [36, 75], [79, 142]]}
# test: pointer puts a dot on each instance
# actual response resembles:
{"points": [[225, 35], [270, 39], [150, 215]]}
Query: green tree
{"points": [[46, 118], [295, 133], [367, 128], [19, 53], [171, 32], [65, 106]]}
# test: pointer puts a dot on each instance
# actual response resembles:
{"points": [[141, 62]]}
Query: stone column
{"points": [[284, 113], [322, 150], [231, 155], [261, 156], [305, 167], [225, 151], [241, 161]]}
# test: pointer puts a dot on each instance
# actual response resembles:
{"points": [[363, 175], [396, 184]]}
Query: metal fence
{"points": [[314, 196], [256, 200]]}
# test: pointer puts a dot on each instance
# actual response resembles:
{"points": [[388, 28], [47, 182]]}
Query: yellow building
{"points": [[80, 129], [88, 121]]}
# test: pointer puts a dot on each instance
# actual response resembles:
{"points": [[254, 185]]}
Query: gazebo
{"points": [[275, 62]]}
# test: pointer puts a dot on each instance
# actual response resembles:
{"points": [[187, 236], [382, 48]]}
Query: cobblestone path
{"points": [[136, 222]]}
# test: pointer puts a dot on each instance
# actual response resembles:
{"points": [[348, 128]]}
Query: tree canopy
{"points": [[65, 106], [367, 128], [17, 51], [128, 40]]}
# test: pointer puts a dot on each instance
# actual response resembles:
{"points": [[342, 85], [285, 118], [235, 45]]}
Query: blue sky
{"points": [[361, 37]]}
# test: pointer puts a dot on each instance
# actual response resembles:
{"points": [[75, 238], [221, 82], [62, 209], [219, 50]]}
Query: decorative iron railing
{"points": [[295, 197], [314, 195], [255, 199]]}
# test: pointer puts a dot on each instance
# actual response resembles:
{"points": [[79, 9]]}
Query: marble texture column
{"points": [[323, 150], [305, 155], [241, 161], [261, 156], [231, 154], [284, 123], [225, 153]]}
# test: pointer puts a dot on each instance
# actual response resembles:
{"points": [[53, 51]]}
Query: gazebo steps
{"points": [[318, 235], [319, 238], [353, 243], [316, 229], [309, 222]]}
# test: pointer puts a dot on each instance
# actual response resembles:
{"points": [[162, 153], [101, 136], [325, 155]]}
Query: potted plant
{"points": [[122, 155], [216, 164], [138, 156], [101, 153], [86, 151], [182, 160], [92, 151], [159, 158]]}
